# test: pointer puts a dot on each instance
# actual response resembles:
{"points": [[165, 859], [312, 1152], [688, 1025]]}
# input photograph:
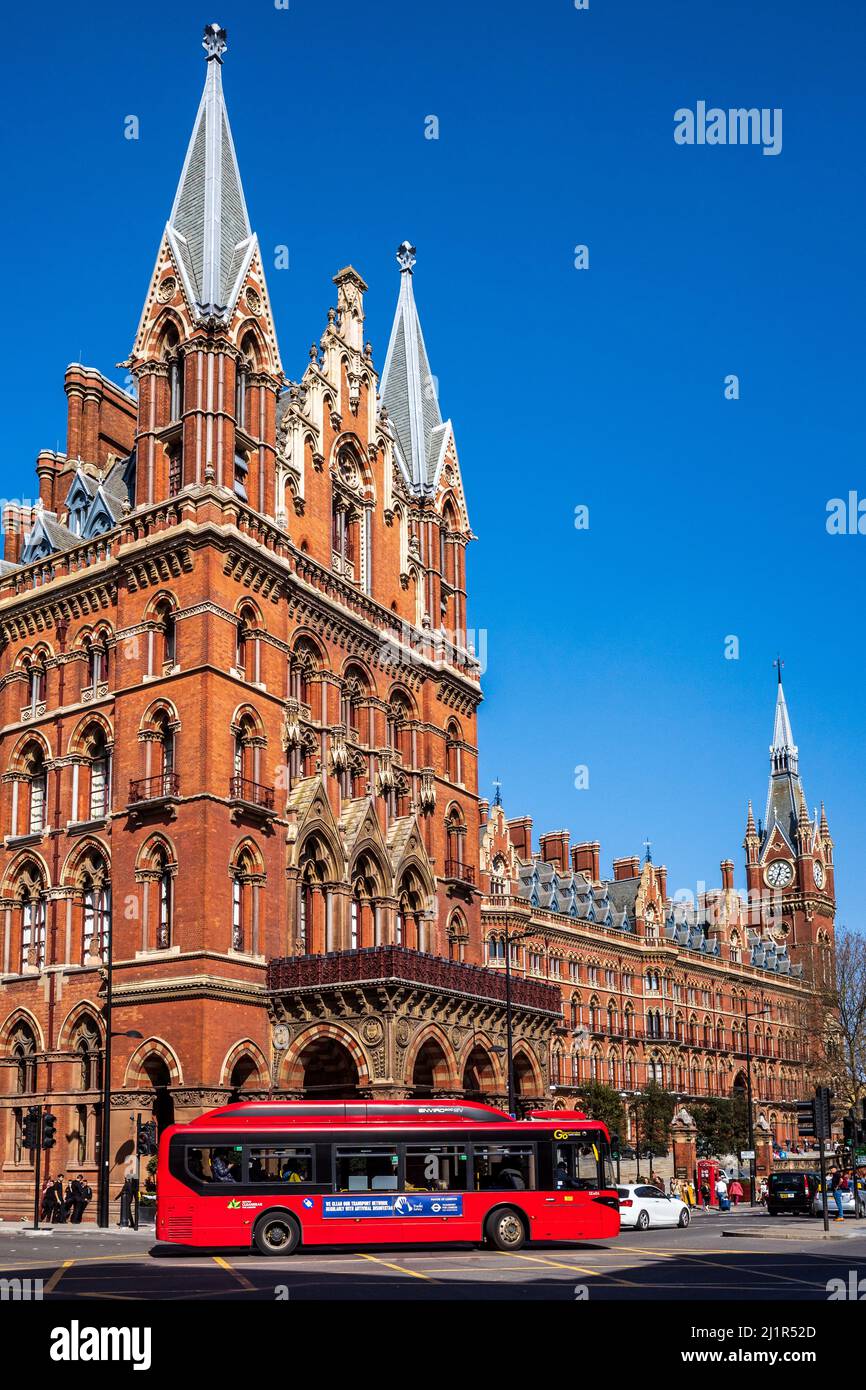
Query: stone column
{"points": [[684, 1141]]}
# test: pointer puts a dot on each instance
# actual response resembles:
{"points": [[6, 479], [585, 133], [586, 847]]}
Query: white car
{"points": [[847, 1202], [642, 1205]]}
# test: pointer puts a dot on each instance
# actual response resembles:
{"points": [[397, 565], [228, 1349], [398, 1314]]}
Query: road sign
{"points": [[747, 1154]]}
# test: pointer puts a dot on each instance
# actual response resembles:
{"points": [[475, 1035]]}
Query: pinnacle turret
{"points": [[208, 227]]}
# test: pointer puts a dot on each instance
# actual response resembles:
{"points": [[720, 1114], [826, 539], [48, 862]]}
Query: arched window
{"points": [[454, 752], [456, 834], [35, 682], [96, 903], [97, 662], [242, 903], [31, 894], [37, 774], [100, 774], [164, 886], [246, 652], [244, 780], [498, 881], [352, 713], [87, 1043], [172, 356], [23, 1050], [166, 629], [165, 744]]}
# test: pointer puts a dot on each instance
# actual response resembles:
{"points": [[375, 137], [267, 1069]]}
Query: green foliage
{"points": [[655, 1107], [602, 1103], [722, 1124]]}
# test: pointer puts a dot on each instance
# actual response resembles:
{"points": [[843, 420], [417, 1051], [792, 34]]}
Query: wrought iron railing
{"points": [[254, 793], [415, 967], [162, 785]]}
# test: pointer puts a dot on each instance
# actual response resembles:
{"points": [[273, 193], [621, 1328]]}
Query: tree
{"points": [[603, 1103], [844, 1030], [722, 1124], [655, 1110]]}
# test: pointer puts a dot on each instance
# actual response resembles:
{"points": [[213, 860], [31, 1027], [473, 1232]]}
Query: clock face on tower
{"points": [[818, 874], [779, 874]]}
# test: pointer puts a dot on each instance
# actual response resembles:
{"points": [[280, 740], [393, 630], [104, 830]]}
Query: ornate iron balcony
{"points": [[157, 788], [253, 793]]}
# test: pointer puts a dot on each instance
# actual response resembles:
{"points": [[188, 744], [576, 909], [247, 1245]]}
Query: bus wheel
{"points": [[505, 1229], [278, 1233]]}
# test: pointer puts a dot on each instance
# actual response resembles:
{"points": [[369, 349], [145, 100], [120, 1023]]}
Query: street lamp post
{"points": [[105, 1125], [751, 1119]]}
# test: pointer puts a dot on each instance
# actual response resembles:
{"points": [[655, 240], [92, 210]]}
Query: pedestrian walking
{"points": [[836, 1192], [735, 1192], [705, 1195], [722, 1193]]}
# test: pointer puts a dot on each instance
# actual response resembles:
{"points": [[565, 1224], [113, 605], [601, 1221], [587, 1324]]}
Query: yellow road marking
{"points": [[241, 1278], [401, 1269], [57, 1276], [579, 1269]]}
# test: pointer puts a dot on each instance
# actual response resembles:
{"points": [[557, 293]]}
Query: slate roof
{"points": [[409, 390], [208, 227]]}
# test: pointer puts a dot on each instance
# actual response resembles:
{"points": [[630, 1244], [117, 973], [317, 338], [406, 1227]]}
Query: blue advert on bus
{"points": [[400, 1204]]}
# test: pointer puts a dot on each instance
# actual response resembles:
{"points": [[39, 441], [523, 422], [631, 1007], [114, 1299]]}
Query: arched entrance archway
{"points": [[430, 1072], [329, 1070], [159, 1076], [244, 1073], [526, 1084], [479, 1077]]}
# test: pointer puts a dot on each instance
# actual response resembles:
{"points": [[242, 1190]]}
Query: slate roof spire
{"points": [[208, 227], [785, 792], [409, 391]]}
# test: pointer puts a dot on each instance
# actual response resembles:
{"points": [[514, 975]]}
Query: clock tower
{"points": [[789, 859]]}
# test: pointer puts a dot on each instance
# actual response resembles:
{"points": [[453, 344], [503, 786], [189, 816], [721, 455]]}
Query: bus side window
{"points": [[503, 1167], [436, 1168], [219, 1164]]}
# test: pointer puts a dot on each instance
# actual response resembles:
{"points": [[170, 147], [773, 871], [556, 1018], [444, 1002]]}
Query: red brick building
{"points": [[238, 732]]}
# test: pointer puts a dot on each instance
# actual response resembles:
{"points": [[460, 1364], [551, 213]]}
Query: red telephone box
{"points": [[708, 1173]]}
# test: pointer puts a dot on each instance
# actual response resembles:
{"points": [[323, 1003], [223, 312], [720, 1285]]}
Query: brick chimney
{"points": [[626, 868], [586, 859], [47, 466], [13, 532], [520, 834], [727, 868], [554, 849], [483, 810], [662, 881]]}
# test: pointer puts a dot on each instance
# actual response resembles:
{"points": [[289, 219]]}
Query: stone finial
{"points": [[405, 256], [214, 42]]}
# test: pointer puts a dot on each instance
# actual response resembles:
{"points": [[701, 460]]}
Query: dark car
{"points": [[791, 1192]]}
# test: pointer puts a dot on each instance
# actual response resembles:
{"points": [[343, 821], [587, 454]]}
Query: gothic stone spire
{"points": [[409, 389], [208, 228]]}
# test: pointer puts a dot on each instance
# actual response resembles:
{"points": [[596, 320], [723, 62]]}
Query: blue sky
{"points": [[601, 387]]}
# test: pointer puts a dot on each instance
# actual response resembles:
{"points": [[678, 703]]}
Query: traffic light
{"points": [[49, 1130], [30, 1138], [146, 1139], [823, 1114], [806, 1124]]}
